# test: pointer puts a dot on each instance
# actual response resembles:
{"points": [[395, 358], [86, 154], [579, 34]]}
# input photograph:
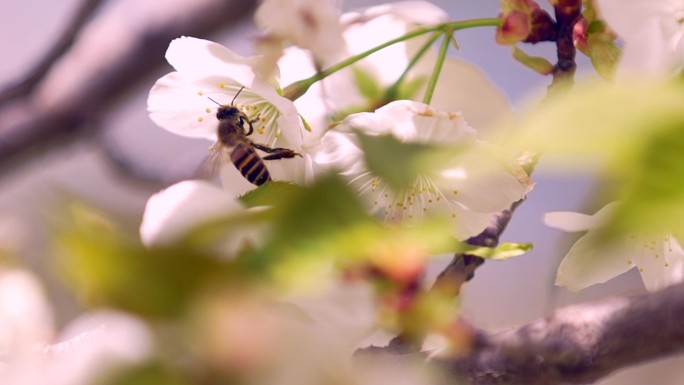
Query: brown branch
{"points": [[111, 56], [579, 344], [29, 80]]}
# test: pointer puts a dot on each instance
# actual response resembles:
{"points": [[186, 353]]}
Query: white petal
{"points": [[25, 315], [481, 181], [462, 87], [340, 150], [198, 57], [573, 222], [414, 12], [585, 264], [661, 263], [94, 343], [569, 221], [180, 106], [624, 15], [170, 213], [310, 24]]}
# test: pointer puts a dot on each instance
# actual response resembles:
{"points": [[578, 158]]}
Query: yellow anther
{"points": [[200, 119], [222, 84], [208, 110], [200, 92]]}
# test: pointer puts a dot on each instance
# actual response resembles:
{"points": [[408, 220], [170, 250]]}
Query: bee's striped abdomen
{"points": [[250, 165]]}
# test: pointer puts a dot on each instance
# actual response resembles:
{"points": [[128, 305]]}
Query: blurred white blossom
{"points": [[468, 190], [33, 353], [659, 257], [652, 31], [172, 213]]}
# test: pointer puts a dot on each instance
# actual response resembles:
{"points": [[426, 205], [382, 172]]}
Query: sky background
{"points": [[503, 293]]}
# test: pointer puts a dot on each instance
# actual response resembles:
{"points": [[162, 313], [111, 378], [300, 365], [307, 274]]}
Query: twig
{"points": [[98, 69], [26, 84]]}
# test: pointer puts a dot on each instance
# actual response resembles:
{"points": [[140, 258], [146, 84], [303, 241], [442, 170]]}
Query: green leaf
{"points": [[304, 224], [635, 132], [408, 89], [366, 83], [146, 374], [502, 251], [107, 267], [269, 193], [399, 164], [654, 192], [604, 54], [535, 63]]}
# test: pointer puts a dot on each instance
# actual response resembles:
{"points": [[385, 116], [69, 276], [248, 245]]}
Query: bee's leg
{"points": [[276, 153], [251, 127]]}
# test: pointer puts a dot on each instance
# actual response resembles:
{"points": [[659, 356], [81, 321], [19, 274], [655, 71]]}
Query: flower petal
{"points": [[170, 213], [178, 105], [585, 265], [198, 57], [573, 222], [661, 263], [462, 87], [25, 315], [482, 183]]}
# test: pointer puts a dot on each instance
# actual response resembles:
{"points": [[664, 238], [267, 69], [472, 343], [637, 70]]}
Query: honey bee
{"points": [[233, 139]]}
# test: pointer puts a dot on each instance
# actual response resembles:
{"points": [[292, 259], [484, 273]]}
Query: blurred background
{"points": [[126, 158]]}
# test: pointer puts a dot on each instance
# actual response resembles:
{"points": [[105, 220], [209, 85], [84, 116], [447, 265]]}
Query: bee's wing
{"points": [[211, 164]]}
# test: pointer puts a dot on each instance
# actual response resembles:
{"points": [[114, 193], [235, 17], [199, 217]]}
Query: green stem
{"points": [[432, 84], [392, 91], [298, 88]]}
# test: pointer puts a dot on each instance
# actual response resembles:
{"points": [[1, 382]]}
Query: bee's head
{"points": [[227, 112]]}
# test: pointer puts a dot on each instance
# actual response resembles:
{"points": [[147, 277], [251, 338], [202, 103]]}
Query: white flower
{"points": [[468, 190], [208, 75], [652, 31], [172, 213], [308, 24], [31, 354], [461, 87], [659, 257]]}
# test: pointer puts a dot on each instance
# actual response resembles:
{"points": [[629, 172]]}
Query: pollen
{"points": [[200, 93], [222, 85], [200, 119], [453, 215], [208, 110], [261, 130]]}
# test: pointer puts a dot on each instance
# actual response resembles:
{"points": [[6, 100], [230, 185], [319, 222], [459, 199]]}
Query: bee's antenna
{"points": [[236, 95], [219, 104]]}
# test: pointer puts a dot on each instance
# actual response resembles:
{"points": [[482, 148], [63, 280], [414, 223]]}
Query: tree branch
{"points": [[98, 69], [29, 80], [579, 344]]}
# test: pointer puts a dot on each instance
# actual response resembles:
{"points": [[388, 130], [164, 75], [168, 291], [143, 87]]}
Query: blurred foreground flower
{"points": [[652, 31], [185, 101], [659, 257], [171, 214], [86, 350], [467, 187]]}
